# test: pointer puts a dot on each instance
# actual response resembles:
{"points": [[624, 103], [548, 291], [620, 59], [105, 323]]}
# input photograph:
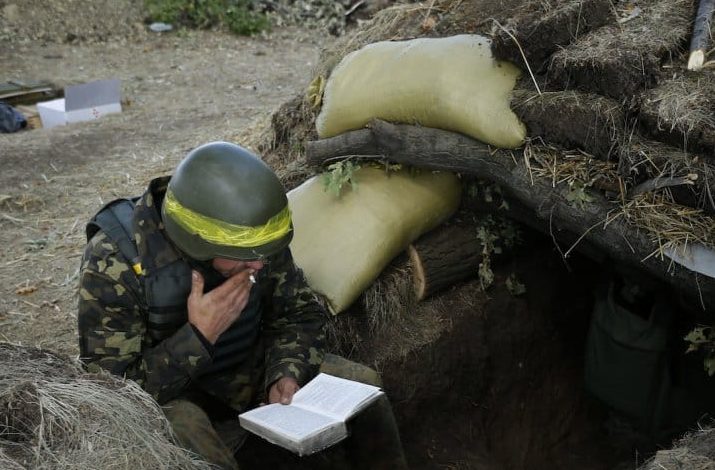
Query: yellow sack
{"points": [[342, 244], [449, 83]]}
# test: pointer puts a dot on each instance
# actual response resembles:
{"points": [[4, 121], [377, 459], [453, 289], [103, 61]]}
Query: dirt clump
{"points": [[536, 30], [681, 112], [622, 58], [558, 117]]}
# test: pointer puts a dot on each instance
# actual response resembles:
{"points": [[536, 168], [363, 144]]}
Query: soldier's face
{"points": [[231, 267]]}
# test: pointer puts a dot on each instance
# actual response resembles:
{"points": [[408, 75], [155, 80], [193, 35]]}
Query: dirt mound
{"points": [[71, 20]]}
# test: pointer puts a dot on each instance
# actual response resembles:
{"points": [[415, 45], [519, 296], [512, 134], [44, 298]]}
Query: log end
{"points": [[418, 273], [696, 60]]}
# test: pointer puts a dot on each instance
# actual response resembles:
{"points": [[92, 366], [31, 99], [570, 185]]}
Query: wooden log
{"points": [[701, 35], [662, 182], [597, 221], [444, 257]]}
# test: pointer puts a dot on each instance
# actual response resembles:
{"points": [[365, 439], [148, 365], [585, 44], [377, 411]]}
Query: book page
{"points": [[289, 421], [334, 396]]}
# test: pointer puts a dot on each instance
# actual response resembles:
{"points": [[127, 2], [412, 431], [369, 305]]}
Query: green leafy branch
{"points": [[702, 338], [494, 234], [340, 174], [577, 196]]}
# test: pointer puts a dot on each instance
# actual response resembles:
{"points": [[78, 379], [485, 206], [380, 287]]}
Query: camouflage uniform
{"points": [[177, 371]]}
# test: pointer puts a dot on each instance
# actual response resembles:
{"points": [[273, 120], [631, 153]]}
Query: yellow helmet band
{"points": [[223, 233]]}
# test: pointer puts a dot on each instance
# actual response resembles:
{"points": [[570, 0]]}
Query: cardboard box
{"points": [[82, 103]]}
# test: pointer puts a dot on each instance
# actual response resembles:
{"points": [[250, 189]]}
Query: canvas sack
{"points": [[343, 243], [449, 83]]}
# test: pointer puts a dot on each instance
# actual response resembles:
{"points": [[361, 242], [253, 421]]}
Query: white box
{"points": [[82, 103]]}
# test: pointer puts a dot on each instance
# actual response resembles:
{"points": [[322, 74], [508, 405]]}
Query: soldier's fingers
{"points": [[282, 391], [287, 392], [239, 298], [197, 284], [273, 394]]}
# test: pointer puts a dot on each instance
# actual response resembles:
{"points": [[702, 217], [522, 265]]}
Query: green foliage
{"points": [[494, 234], [340, 173], [702, 338], [514, 285], [488, 192], [577, 195], [486, 275], [238, 16]]}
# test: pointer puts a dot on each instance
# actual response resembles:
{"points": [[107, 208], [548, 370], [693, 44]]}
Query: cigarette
{"points": [[252, 278]]}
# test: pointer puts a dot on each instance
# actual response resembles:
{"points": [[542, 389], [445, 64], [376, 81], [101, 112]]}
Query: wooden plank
{"points": [[31, 115], [27, 92]]}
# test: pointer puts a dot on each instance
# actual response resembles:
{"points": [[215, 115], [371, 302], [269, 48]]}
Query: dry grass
{"points": [[389, 324], [683, 104], [695, 451], [390, 299], [645, 158], [386, 308], [570, 167], [52, 415], [642, 159], [667, 223], [21, 202]]}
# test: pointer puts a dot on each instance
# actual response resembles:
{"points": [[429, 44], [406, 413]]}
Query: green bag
{"points": [[627, 360]]}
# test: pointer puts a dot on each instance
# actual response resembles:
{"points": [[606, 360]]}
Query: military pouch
{"points": [[627, 361]]}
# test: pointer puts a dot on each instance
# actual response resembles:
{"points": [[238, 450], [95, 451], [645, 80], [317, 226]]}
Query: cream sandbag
{"points": [[449, 83], [342, 244]]}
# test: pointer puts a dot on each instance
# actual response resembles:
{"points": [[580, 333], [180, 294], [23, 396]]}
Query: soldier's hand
{"points": [[282, 390], [212, 313]]}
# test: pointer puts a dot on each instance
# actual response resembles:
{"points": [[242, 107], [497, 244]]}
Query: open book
{"points": [[316, 417]]}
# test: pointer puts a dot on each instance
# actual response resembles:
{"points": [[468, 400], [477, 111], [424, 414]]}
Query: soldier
{"points": [[191, 291]]}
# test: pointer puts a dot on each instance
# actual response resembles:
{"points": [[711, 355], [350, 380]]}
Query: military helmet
{"points": [[224, 202]]}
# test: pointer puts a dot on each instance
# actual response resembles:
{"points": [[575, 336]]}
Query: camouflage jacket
{"points": [[113, 315]]}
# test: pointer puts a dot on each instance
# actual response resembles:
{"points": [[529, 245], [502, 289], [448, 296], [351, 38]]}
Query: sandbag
{"points": [[449, 83], [343, 243]]}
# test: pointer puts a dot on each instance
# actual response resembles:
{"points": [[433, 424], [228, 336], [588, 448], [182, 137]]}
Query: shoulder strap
{"points": [[115, 219]]}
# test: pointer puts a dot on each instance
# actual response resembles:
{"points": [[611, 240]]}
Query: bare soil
{"points": [[181, 90]]}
